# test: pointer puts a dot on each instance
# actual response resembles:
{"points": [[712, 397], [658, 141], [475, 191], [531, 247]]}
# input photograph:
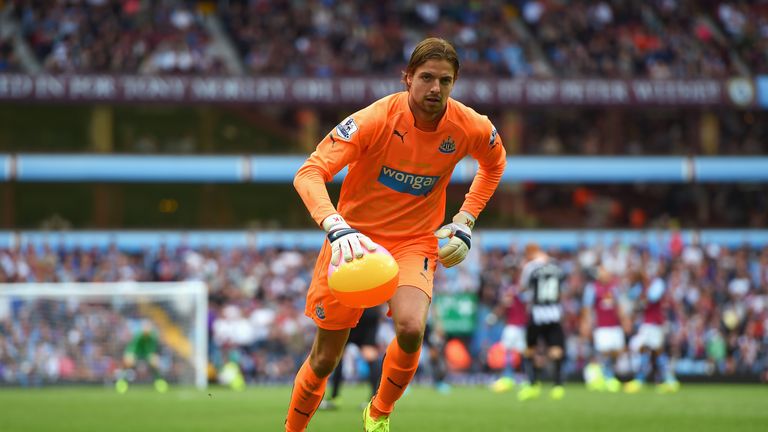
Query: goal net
{"points": [[80, 332]]}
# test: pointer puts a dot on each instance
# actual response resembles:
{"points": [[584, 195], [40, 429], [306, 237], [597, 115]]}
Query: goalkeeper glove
{"points": [[346, 242], [459, 233]]}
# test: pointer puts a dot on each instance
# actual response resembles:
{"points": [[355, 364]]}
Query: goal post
{"points": [[53, 333]]}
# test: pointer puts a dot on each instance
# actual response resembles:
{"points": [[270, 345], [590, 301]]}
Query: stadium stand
{"points": [[117, 36], [657, 39], [746, 24]]}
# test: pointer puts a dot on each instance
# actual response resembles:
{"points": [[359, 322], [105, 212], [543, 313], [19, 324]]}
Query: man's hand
{"points": [[459, 233], [346, 242]]}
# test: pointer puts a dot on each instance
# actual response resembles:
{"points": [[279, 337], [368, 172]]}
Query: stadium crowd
{"points": [[322, 38], [330, 38], [641, 206], [68, 341], [657, 39], [131, 36], [8, 60], [593, 132], [746, 24], [717, 301]]}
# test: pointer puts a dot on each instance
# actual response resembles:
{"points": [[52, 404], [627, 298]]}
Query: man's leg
{"points": [[641, 373], [368, 343], [556, 357], [529, 365], [336, 378], [531, 389], [309, 385], [126, 374], [409, 306], [556, 353], [370, 354], [613, 385], [153, 362]]}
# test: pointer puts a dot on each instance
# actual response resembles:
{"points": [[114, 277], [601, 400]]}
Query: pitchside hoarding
{"points": [[737, 92]]}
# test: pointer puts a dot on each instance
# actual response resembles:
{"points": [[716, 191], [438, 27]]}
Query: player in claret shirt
{"points": [[601, 299], [513, 336], [651, 338]]}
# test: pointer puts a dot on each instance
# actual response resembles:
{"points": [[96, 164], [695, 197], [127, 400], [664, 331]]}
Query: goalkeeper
{"points": [[143, 347], [400, 152]]}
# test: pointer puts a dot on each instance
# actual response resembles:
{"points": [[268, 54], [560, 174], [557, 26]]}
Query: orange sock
{"points": [[397, 372], [308, 390]]}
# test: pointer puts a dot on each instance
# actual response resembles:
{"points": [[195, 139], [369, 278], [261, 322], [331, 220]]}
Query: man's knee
{"points": [[323, 361], [555, 353], [410, 333], [369, 353]]}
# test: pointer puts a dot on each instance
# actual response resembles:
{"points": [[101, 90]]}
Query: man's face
{"points": [[430, 85]]}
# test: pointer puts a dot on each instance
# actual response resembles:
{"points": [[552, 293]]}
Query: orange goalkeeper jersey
{"points": [[397, 178]]}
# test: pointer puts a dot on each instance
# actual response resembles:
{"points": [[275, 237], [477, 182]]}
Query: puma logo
{"points": [[305, 414], [399, 135], [333, 140], [394, 383]]}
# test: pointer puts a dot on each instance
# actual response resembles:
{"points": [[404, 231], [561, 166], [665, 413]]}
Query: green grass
{"points": [[698, 408]]}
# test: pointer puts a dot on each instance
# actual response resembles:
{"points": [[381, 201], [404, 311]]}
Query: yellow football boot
{"points": [[668, 387], [503, 384], [593, 377], [613, 385], [370, 424], [557, 393], [161, 386], [121, 386], [633, 386], [529, 392]]}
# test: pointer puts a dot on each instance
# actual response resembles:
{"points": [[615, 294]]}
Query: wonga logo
{"points": [[400, 181]]}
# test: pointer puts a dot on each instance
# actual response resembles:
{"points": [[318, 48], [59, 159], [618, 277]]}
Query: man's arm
{"points": [[525, 278], [625, 319], [132, 345], [656, 290], [492, 159], [332, 154], [489, 152], [340, 147], [588, 301]]}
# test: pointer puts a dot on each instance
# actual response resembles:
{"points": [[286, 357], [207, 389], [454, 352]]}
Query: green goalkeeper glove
{"points": [[346, 242], [459, 235]]}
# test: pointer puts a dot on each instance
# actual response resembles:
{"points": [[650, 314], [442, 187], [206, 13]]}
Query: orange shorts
{"points": [[417, 260]]}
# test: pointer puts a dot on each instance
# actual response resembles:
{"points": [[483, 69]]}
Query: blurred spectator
{"points": [[746, 23], [717, 309], [579, 38], [43, 342], [340, 38], [118, 36], [657, 39], [8, 59]]}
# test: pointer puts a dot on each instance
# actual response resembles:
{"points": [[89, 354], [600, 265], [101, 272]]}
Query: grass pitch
{"points": [[699, 408]]}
